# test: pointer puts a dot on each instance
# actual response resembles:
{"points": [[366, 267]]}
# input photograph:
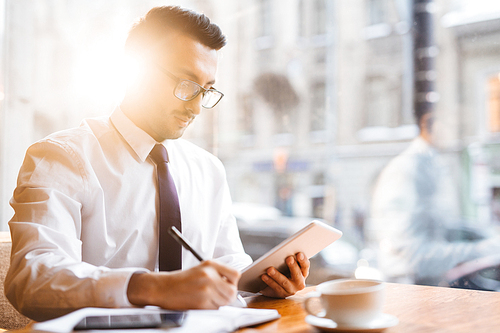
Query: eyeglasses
{"points": [[187, 90]]}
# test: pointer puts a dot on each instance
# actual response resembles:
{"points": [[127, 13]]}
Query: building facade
{"points": [[318, 94], [345, 68]]}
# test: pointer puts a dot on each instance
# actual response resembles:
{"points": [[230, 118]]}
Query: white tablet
{"points": [[309, 240]]}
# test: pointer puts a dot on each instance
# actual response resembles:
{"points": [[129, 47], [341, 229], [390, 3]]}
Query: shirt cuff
{"points": [[113, 285]]}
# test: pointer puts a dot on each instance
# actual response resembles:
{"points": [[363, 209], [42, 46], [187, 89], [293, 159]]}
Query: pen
{"points": [[176, 234]]}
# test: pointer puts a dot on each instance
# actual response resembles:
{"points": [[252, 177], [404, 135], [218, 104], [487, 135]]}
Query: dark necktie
{"points": [[170, 252]]}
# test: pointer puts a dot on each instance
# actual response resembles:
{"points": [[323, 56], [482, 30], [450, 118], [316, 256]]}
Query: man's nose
{"points": [[194, 105]]}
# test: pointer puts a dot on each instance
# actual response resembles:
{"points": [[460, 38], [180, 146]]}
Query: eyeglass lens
{"points": [[187, 90], [210, 98]]}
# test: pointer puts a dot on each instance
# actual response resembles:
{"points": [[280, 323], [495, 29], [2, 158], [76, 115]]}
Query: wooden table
{"points": [[419, 309]]}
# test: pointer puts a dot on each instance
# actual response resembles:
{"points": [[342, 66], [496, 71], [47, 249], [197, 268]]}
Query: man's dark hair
{"points": [[150, 32], [419, 113]]}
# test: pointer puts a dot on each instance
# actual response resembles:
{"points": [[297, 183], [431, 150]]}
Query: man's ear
{"points": [[429, 123], [426, 125]]}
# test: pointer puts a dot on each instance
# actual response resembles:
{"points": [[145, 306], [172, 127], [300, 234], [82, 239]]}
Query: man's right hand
{"points": [[206, 286]]}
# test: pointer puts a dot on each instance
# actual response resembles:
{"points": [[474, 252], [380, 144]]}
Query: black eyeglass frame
{"points": [[201, 91]]}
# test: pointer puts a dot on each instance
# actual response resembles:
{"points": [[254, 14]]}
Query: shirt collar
{"points": [[141, 142], [420, 145]]}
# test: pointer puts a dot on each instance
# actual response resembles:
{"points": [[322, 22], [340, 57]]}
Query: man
{"points": [[413, 208], [85, 230]]}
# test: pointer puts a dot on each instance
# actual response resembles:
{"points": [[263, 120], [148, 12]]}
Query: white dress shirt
{"points": [[413, 206], [85, 215]]}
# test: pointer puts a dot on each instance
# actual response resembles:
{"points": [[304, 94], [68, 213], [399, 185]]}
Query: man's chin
{"points": [[175, 135]]}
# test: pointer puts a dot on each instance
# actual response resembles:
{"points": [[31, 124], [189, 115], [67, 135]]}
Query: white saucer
{"points": [[376, 325]]}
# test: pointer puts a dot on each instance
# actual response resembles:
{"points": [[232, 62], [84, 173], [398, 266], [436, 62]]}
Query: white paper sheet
{"points": [[226, 319]]}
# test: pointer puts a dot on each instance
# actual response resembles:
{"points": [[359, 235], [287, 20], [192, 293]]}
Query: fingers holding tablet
{"points": [[281, 286], [299, 247], [304, 264]]}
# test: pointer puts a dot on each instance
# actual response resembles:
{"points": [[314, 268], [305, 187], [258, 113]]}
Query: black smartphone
{"points": [[146, 320]]}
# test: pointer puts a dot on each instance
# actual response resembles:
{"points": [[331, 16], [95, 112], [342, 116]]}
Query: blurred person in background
{"points": [[413, 207], [85, 231]]}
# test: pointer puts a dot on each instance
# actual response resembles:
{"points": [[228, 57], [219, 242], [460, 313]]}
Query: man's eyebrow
{"points": [[193, 77]]}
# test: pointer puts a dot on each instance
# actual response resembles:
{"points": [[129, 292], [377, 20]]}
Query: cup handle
{"points": [[310, 297]]}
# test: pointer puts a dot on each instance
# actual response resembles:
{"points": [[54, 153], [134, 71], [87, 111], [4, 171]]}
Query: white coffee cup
{"points": [[348, 302]]}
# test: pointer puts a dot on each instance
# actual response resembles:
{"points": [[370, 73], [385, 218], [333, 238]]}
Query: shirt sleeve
{"points": [[47, 277]]}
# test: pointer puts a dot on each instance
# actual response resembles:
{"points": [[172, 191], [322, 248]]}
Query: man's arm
{"points": [[45, 280], [47, 276], [206, 286]]}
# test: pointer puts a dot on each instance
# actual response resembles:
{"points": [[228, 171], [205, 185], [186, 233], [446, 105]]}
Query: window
{"points": [[318, 99], [376, 12], [320, 17], [382, 103], [247, 115], [494, 104], [302, 18], [279, 94], [265, 18]]}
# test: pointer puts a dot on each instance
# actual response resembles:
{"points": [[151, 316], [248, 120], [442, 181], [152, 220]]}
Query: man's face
{"points": [[165, 116]]}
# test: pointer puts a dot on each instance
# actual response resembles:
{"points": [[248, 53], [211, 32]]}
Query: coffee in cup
{"points": [[348, 302]]}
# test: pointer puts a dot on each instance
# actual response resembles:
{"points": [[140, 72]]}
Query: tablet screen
{"points": [[147, 320]]}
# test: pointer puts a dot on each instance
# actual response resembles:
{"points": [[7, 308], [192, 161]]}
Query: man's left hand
{"points": [[280, 286]]}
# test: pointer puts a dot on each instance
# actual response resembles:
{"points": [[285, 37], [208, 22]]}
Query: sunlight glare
{"points": [[132, 69], [97, 73]]}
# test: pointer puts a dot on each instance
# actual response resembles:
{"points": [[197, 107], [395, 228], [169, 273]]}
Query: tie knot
{"points": [[159, 154]]}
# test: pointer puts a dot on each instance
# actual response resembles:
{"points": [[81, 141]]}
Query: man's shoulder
{"points": [[89, 129], [75, 141]]}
